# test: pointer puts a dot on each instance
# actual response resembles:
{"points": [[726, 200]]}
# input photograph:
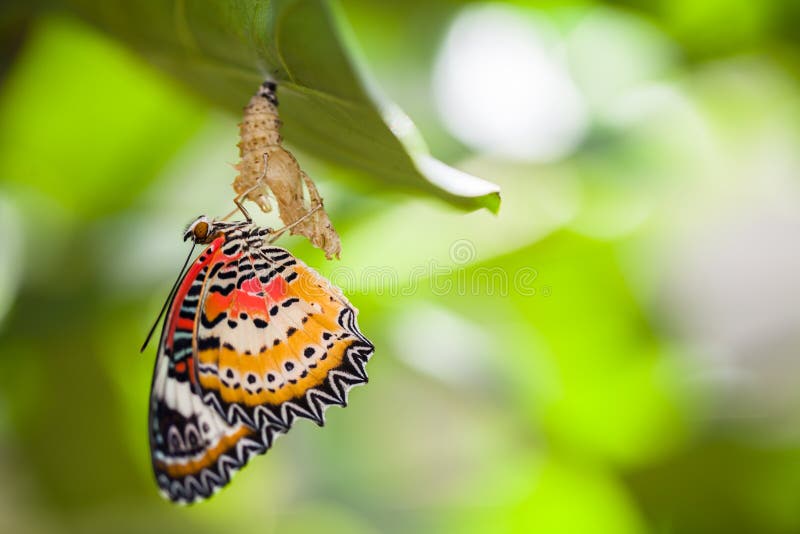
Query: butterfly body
{"points": [[253, 339]]}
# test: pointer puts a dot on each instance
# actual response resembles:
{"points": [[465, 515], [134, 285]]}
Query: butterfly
{"points": [[252, 340]]}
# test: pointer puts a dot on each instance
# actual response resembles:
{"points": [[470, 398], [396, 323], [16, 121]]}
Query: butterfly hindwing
{"points": [[196, 451]]}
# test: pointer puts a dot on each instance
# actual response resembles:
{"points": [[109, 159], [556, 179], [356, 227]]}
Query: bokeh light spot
{"points": [[502, 88]]}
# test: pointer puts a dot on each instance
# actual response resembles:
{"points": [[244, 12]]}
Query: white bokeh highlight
{"points": [[443, 345], [612, 52], [502, 87]]}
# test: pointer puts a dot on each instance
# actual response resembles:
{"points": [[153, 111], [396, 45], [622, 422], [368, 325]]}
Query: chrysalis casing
{"points": [[260, 137], [259, 134]]}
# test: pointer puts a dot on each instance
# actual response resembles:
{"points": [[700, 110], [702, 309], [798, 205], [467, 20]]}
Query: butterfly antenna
{"points": [[169, 299]]}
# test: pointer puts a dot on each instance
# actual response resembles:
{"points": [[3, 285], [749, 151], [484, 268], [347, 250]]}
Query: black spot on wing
{"points": [[280, 256], [211, 324], [232, 249], [266, 277], [227, 275], [195, 288], [215, 269], [244, 278], [223, 290], [210, 342]]}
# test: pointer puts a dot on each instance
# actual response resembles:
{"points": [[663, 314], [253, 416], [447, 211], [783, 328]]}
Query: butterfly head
{"points": [[201, 230]]}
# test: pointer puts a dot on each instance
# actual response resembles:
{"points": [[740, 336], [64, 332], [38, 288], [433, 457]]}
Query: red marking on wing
{"points": [[184, 324], [247, 302], [276, 289], [251, 286], [204, 259], [252, 296], [192, 374], [216, 303]]}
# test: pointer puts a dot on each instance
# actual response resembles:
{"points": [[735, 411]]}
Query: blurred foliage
{"points": [[614, 352], [224, 50]]}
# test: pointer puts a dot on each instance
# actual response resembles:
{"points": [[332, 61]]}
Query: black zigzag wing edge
{"points": [[272, 422], [333, 390], [195, 488]]}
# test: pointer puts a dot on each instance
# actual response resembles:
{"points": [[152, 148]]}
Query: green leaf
{"points": [[224, 49]]}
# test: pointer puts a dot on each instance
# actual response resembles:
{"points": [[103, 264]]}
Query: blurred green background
{"points": [[615, 352]]}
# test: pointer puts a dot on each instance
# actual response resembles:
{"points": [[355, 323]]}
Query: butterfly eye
{"points": [[200, 231]]}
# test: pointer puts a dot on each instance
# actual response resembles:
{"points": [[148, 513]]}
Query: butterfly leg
{"points": [[239, 200], [277, 233]]}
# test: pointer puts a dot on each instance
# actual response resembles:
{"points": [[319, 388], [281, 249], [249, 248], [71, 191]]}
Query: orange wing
{"points": [[275, 339]]}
